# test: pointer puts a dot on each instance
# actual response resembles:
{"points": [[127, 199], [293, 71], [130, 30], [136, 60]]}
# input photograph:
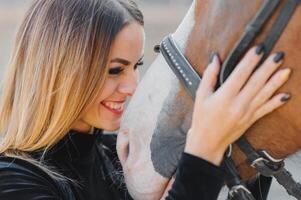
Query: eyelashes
{"points": [[118, 70], [138, 64]]}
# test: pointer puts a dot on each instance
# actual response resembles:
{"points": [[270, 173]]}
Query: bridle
{"points": [[263, 162]]}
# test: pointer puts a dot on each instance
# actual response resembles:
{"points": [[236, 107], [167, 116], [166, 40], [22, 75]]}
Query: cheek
{"points": [[95, 109], [110, 87]]}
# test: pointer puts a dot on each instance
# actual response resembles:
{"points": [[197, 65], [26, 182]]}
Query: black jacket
{"points": [[90, 160]]}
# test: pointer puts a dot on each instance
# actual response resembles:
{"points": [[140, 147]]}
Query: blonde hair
{"points": [[58, 66]]}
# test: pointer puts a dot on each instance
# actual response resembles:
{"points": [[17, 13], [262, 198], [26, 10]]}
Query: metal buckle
{"points": [[235, 189], [270, 158], [267, 165], [266, 159], [257, 162], [229, 151]]}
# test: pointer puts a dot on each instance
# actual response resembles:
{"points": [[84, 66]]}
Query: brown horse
{"points": [[154, 128]]}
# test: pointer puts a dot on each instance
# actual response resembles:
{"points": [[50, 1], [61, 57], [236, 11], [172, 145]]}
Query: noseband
{"points": [[263, 162]]}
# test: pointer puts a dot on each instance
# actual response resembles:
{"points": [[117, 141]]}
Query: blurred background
{"points": [[161, 17]]}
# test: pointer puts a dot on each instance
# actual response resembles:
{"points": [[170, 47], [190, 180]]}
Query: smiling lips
{"points": [[116, 107]]}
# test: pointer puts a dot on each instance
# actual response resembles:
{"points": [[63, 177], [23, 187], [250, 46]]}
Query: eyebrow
{"points": [[120, 60], [124, 61]]}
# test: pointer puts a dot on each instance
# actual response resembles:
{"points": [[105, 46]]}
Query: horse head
{"points": [[153, 132]]}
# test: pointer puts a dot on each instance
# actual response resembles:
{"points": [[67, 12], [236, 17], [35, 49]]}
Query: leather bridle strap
{"points": [[255, 27], [176, 60], [262, 161], [190, 80], [251, 31], [237, 187], [268, 166], [279, 25]]}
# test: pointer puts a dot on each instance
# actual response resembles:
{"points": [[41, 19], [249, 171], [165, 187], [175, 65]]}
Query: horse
{"points": [[154, 127]]}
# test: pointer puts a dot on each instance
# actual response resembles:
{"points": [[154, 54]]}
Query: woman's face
{"points": [[126, 55]]}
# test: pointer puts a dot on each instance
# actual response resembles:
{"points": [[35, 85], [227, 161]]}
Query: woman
{"points": [[71, 71]]}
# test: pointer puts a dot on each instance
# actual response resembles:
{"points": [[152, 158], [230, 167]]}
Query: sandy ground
{"points": [[158, 24]]}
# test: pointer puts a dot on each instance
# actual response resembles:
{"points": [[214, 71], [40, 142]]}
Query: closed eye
{"points": [[115, 70], [118, 70]]}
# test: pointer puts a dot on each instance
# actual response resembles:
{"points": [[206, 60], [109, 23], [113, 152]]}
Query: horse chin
{"points": [[136, 132], [145, 189], [140, 188], [142, 181]]}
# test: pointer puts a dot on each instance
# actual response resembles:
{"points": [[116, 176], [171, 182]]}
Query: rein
{"points": [[263, 162]]}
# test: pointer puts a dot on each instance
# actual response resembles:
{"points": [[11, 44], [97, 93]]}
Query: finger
{"points": [[261, 76], [243, 70], [272, 105], [210, 76], [277, 80]]}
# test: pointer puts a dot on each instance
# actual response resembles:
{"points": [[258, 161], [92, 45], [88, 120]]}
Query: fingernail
{"points": [[259, 49], [285, 73], [286, 97], [278, 57], [212, 56]]}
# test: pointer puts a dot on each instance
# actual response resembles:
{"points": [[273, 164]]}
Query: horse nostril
{"points": [[127, 151]]}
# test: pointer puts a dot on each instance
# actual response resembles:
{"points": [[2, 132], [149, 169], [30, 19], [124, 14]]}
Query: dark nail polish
{"points": [[259, 49], [286, 97], [278, 57], [212, 56]]}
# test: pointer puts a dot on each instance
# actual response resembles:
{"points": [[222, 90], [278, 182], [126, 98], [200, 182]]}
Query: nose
{"points": [[129, 84]]}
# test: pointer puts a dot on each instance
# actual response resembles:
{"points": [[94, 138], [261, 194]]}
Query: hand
{"points": [[221, 117]]}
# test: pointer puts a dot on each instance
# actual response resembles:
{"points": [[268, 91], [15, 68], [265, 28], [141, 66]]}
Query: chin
{"points": [[110, 127]]}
